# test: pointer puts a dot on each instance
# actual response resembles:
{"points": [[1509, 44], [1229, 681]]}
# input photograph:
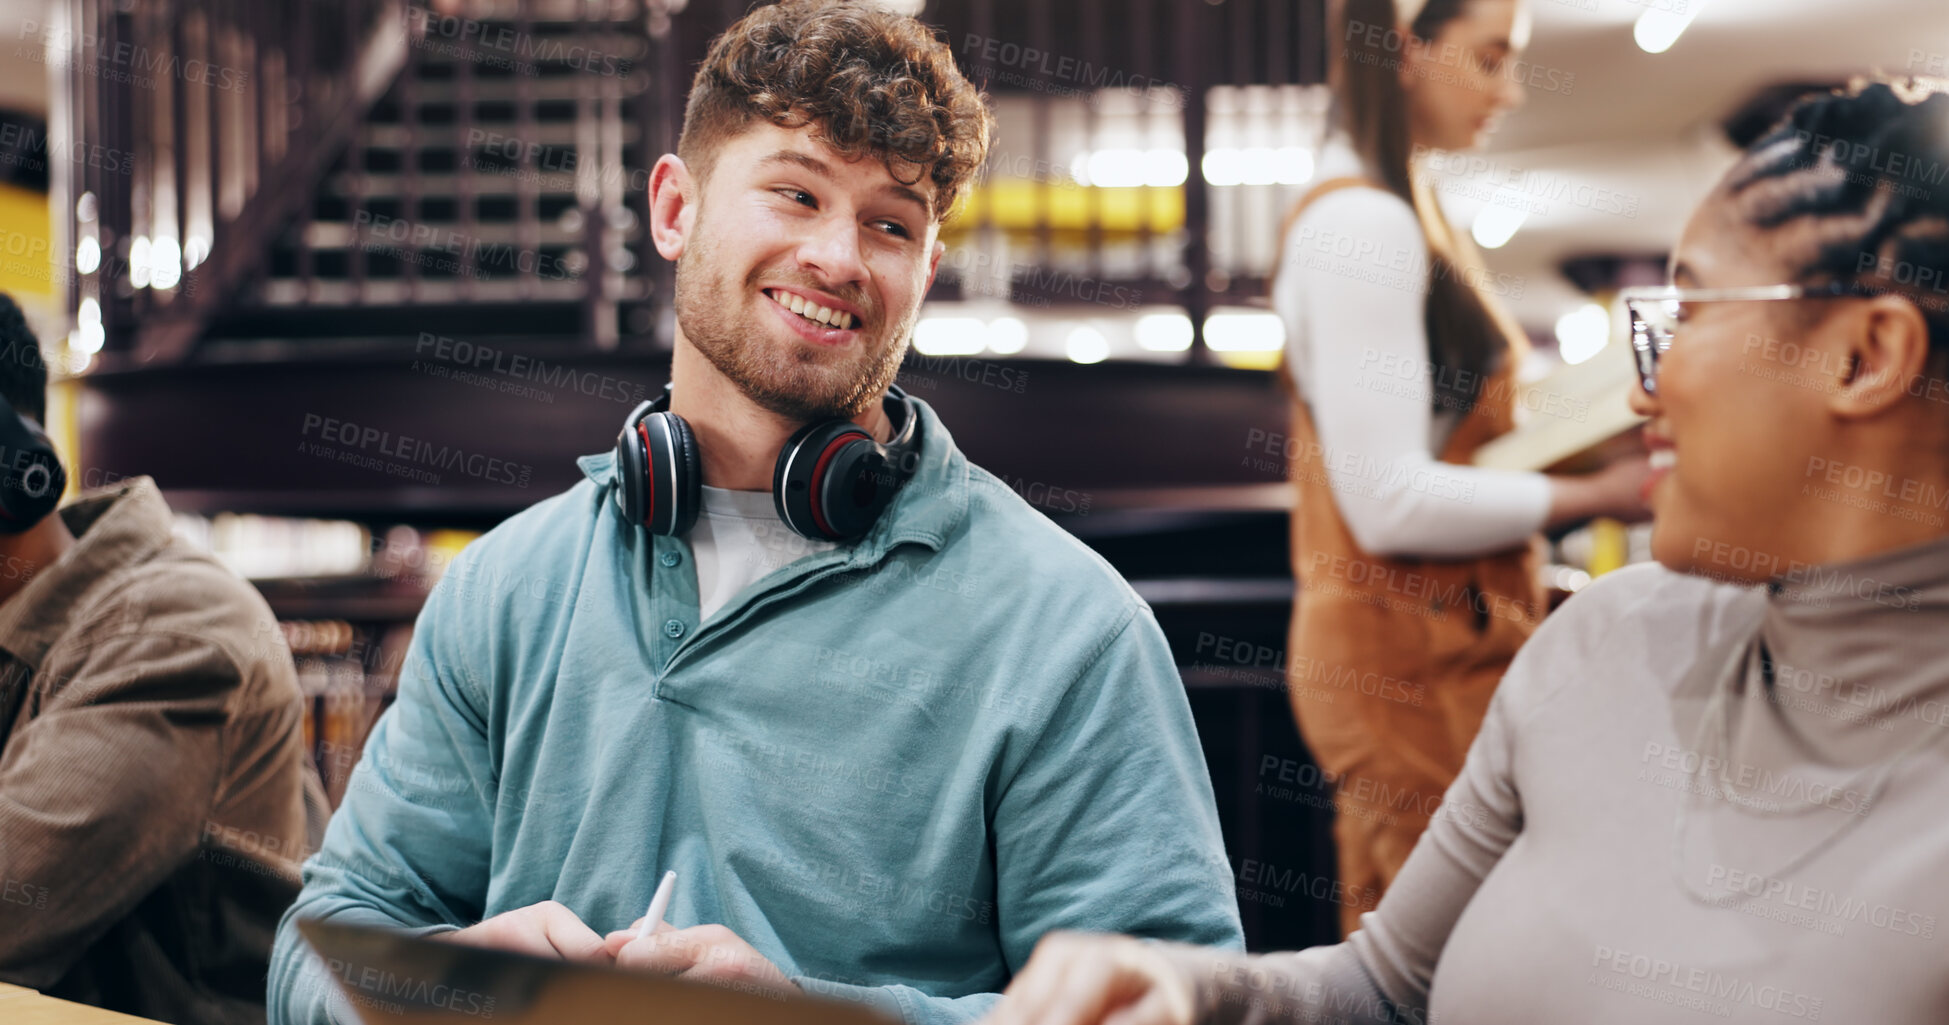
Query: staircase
{"points": [[279, 171]]}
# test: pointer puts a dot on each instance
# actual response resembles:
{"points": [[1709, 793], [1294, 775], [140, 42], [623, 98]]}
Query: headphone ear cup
{"points": [[830, 481], [632, 467], [31, 492], [672, 477], [686, 475], [33, 479], [657, 465], [856, 488]]}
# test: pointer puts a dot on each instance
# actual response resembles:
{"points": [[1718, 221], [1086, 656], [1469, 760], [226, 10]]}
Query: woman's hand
{"points": [[1086, 979], [1623, 484], [1617, 491]]}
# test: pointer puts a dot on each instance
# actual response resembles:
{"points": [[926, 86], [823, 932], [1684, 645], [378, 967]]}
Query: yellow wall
{"points": [[64, 429], [26, 248], [28, 273]]}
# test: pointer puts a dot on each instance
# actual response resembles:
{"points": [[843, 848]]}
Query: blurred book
{"points": [[268, 547], [1566, 417], [348, 674]]}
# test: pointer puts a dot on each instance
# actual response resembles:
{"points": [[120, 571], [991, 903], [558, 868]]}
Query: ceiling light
{"points": [[1583, 332], [1007, 336], [1087, 345], [950, 336], [1245, 332], [1657, 30], [1501, 219], [1164, 332]]}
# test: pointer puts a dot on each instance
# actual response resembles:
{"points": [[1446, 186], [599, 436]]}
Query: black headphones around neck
{"points": [[831, 481], [31, 477]]}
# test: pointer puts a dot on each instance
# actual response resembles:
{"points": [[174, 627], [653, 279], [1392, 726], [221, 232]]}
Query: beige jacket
{"points": [[152, 772]]}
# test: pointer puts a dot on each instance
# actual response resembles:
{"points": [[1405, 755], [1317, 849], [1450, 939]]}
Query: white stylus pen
{"points": [[658, 905]]}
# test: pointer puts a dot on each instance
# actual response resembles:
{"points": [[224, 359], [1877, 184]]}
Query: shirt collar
{"points": [[928, 508], [113, 527]]}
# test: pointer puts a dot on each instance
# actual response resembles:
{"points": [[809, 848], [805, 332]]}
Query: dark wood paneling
{"points": [[235, 435]]}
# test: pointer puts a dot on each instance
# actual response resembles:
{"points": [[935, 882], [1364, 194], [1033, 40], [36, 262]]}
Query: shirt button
{"points": [[670, 558], [673, 628]]}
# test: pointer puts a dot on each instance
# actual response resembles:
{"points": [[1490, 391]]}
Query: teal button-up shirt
{"points": [[890, 767]]}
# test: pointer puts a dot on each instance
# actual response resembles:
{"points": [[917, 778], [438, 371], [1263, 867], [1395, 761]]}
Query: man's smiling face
{"points": [[801, 272]]}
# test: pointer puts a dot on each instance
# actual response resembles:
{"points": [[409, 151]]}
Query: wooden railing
{"points": [[199, 126], [312, 170]]}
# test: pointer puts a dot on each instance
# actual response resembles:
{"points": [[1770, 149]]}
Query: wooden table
{"points": [[22, 1006]]}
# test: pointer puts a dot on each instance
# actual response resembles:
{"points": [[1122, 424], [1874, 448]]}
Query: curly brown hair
{"points": [[870, 82]]}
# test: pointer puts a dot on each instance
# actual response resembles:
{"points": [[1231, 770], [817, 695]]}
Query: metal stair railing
{"points": [[214, 119]]}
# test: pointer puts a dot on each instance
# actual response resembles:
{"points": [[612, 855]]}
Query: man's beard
{"points": [[792, 382]]}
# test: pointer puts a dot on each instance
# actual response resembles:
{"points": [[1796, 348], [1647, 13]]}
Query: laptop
{"points": [[390, 978]]}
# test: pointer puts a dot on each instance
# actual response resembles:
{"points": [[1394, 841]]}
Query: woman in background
{"points": [[1416, 578], [1695, 799]]}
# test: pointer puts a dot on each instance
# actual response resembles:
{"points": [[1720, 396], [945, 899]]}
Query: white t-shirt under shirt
{"points": [[1352, 290], [737, 540]]}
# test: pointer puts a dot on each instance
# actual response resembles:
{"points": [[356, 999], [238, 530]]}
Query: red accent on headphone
{"points": [[817, 480], [649, 474]]}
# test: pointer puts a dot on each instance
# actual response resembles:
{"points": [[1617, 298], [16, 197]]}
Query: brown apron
{"points": [[1392, 661]]}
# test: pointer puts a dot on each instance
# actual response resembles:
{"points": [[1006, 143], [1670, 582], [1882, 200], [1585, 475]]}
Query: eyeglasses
{"points": [[1656, 312]]}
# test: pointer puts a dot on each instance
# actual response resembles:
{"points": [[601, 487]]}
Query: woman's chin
{"points": [[1679, 549], [1684, 547]]}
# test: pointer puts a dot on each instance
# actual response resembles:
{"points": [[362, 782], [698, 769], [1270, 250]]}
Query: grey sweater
{"points": [[1553, 886]]}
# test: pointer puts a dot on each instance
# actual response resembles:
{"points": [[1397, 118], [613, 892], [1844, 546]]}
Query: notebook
{"points": [[390, 978]]}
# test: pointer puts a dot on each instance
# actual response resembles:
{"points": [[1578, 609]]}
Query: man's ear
{"points": [[673, 205], [933, 267], [1886, 352]]}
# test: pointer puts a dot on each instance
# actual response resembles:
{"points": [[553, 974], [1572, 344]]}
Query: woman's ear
{"points": [[1884, 356], [673, 205]]}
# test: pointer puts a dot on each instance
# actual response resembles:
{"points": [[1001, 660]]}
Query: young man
{"points": [[151, 744], [881, 767]]}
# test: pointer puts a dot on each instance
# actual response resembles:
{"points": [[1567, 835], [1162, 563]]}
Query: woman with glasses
{"points": [[1712, 788], [1414, 567]]}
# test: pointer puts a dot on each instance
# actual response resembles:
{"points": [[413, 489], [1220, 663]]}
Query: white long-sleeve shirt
{"points": [[1352, 289]]}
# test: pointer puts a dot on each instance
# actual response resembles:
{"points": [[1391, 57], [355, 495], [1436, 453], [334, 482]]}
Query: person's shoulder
{"points": [[1365, 208], [561, 515], [1642, 623], [179, 606], [1644, 594], [1350, 237], [549, 537], [182, 589], [1006, 529]]}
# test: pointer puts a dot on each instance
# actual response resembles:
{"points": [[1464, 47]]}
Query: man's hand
{"points": [[1083, 979], [702, 953], [546, 929]]}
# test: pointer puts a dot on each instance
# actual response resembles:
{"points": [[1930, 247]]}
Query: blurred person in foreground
{"points": [[1712, 786], [1416, 571], [881, 765], [152, 762]]}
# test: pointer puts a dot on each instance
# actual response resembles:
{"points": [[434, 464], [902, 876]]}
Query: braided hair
{"points": [[1870, 166]]}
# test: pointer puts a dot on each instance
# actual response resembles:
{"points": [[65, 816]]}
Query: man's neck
{"points": [[28, 554], [739, 439]]}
